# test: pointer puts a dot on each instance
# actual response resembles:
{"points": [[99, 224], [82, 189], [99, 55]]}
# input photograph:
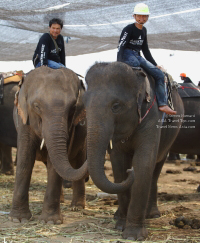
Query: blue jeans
{"points": [[52, 64], [133, 59]]}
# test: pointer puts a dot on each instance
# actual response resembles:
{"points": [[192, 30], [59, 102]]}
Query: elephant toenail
{"points": [[50, 222], [15, 220], [23, 221]]}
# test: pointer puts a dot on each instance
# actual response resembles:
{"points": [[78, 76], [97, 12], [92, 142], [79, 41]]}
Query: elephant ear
{"points": [[139, 105], [22, 106], [141, 92], [80, 112]]}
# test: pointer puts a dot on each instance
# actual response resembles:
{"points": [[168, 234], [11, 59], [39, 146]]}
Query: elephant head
{"points": [[49, 103], [114, 106]]}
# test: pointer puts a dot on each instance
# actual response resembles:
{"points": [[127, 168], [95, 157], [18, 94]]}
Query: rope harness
{"points": [[148, 109], [182, 87], [170, 102], [169, 92]]}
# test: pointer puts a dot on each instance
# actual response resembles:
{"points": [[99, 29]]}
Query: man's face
{"points": [[55, 30], [141, 19]]}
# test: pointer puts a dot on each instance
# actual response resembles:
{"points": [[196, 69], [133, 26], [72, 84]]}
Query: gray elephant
{"points": [[8, 133], [122, 110], [50, 112], [188, 141]]}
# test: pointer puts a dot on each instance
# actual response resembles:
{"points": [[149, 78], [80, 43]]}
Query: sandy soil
{"points": [[177, 197]]}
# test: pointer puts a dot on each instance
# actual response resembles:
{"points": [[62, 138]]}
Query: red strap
{"points": [[182, 87], [149, 109]]}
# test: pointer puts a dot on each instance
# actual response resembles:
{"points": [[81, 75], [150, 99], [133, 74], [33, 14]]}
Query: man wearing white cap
{"points": [[132, 41]]}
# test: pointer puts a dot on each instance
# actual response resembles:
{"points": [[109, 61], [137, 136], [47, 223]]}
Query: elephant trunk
{"points": [[56, 137], [97, 143]]}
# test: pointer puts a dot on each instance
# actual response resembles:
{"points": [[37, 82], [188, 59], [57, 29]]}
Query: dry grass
{"points": [[94, 224]]}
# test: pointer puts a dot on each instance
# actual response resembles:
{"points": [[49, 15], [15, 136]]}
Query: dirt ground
{"points": [[178, 199]]}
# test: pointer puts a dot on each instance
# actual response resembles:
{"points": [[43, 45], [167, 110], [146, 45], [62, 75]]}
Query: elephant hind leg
{"points": [[79, 198], [78, 201], [120, 163]]}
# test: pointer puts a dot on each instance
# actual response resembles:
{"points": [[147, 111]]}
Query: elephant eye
{"points": [[116, 107], [36, 106]]}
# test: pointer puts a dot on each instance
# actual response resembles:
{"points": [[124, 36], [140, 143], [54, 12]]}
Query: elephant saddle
{"points": [[187, 90], [9, 77], [14, 76]]}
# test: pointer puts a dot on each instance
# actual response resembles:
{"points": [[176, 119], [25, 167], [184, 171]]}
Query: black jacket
{"points": [[46, 50], [187, 80], [134, 39]]}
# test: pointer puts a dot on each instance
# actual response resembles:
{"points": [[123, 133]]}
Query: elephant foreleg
{"points": [[78, 200], [144, 160], [120, 163], [152, 210], [26, 157], [51, 208]]}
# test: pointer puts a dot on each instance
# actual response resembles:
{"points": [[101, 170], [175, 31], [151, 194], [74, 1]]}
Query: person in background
{"points": [[50, 50], [132, 41], [185, 79], [199, 83]]}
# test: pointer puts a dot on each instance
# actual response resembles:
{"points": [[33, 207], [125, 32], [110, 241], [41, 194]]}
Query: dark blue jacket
{"points": [[46, 50], [134, 39]]}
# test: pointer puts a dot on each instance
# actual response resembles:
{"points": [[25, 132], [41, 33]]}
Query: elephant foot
{"points": [[55, 218], [67, 184], [7, 171], [135, 233], [18, 216], [76, 206], [154, 213], [116, 215], [120, 224], [62, 198]]}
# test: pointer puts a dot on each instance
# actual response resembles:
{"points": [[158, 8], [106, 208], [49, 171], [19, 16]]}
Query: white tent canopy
{"points": [[95, 25]]}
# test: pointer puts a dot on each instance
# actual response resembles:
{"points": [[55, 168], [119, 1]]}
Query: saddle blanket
{"points": [[9, 77], [14, 76]]}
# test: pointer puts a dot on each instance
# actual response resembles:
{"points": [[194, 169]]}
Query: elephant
{"points": [[123, 115], [50, 114], [8, 133], [187, 141]]}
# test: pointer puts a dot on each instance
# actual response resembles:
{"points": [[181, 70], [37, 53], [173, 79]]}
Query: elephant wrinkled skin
{"points": [[118, 111], [50, 107]]}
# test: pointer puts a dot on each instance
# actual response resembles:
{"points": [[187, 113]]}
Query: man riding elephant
{"points": [[50, 50], [132, 41]]}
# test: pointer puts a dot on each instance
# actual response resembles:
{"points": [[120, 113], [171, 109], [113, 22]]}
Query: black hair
{"points": [[56, 21]]}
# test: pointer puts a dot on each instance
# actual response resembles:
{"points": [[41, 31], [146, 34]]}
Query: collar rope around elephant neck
{"points": [[126, 139]]}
